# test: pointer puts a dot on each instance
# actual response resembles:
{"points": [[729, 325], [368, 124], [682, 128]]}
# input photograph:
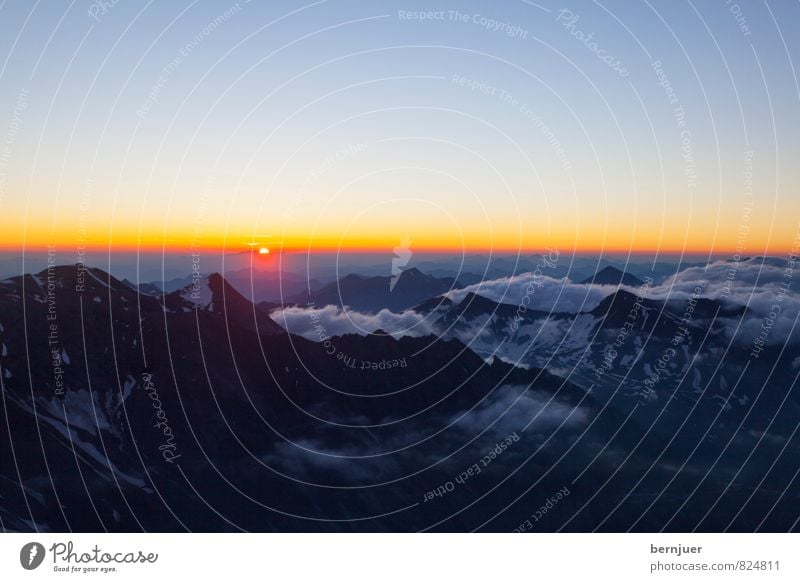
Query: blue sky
{"points": [[436, 123]]}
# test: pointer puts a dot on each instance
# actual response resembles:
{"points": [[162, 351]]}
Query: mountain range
{"points": [[195, 410]]}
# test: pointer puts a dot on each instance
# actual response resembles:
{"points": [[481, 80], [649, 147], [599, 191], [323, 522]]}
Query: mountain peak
{"points": [[200, 292], [79, 278], [213, 294], [612, 276], [474, 304]]}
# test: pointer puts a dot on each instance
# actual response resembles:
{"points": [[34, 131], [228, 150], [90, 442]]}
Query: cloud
{"points": [[753, 282], [760, 284], [312, 459], [768, 287], [511, 408], [733, 281], [543, 293], [356, 457], [318, 324]]}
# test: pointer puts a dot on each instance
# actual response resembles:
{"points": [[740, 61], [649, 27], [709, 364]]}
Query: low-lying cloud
{"points": [[318, 324], [758, 284], [516, 408], [544, 293]]}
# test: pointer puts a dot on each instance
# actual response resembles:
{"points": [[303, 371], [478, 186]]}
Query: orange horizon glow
{"points": [[498, 233], [378, 247], [621, 239]]}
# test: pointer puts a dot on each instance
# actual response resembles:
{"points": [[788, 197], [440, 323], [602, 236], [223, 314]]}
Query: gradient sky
{"points": [[341, 124]]}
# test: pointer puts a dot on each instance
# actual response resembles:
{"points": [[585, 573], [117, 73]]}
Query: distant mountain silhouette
{"points": [[371, 294], [612, 276], [146, 288], [270, 285]]}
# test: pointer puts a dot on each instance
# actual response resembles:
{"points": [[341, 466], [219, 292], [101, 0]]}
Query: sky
{"points": [[505, 126]]}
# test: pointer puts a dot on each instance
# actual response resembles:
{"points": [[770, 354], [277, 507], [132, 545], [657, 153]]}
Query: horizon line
{"points": [[150, 249]]}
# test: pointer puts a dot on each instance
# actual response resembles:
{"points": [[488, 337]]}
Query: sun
{"points": [[263, 251]]}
